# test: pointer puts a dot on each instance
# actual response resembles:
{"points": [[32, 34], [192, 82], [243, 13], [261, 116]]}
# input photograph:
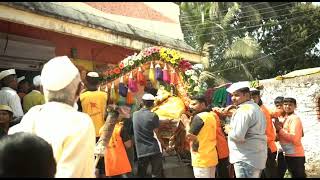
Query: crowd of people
{"points": [[59, 126], [261, 143]]}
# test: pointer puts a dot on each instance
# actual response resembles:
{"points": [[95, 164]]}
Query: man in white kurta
{"points": [[8, 93], [71, 133]]}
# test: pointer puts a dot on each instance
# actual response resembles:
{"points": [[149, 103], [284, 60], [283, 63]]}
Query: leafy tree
{"points": [[292, 44], [249, 40], [221, 30]]}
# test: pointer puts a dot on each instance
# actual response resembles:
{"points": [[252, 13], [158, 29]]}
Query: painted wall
{"points": [[86, 49]]}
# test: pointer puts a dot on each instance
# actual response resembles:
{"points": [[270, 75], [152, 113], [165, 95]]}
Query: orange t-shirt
{"points": [[94, 104], [290, 136], [270, 131], [222, 143]]}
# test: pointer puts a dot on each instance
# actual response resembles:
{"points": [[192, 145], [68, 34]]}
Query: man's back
{"points": [[94, 104], [70, 133], [144, 122], [205, 155], [247, 140]]}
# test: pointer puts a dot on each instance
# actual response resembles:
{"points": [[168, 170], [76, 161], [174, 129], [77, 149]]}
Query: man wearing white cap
{"points": [[145, 125], [247, 139], [8, 93], [71, 133], [35, 97], [23, 87], [21, 79], [94, 103]]}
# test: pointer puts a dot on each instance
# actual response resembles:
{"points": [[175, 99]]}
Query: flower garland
{"points": [[191, 76], [149, 54], [190, 73]]}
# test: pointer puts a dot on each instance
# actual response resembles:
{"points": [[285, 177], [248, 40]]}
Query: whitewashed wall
{"points": [[306, 90]]}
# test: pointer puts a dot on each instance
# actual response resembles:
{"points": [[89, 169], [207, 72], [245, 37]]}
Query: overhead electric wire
{"points": [[188, 26], [189, 30], [271, 7], [247, 12], [268, 54], [224, 31]]}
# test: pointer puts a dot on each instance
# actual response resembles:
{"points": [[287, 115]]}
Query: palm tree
{"points": [[228, 32]]}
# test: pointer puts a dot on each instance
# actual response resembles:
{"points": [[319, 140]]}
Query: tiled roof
{"points": [[65, 13]]}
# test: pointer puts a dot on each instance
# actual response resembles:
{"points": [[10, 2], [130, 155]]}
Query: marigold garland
{"points": [[166, 55]]}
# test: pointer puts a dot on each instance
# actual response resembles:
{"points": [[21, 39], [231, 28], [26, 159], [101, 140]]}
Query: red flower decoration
{"points": [[121, 65], [185, 65], [117, 70]]}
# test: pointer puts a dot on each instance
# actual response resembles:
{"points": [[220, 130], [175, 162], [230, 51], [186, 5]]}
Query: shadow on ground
{"points": [[175, 169]]}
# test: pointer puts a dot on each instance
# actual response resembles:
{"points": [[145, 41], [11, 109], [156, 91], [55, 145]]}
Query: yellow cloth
{"points": [[207, 154], [32, 99], [94, 104], [172, 108]]}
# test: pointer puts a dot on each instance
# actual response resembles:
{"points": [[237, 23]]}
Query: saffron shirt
{"points": [[116, 158], [94, 104], [206, 154], [222, 143], [270, 131], [290, 136]]}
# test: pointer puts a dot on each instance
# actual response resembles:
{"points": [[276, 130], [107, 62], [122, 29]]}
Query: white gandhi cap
{"points": [[238, 85], [148, 97], [21, 78], [93, 74], [58, 73], [253, 89], [6, 73], [37, 81]]}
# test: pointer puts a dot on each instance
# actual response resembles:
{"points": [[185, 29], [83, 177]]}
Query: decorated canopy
{"points": [[165, 72], [163, 67]]}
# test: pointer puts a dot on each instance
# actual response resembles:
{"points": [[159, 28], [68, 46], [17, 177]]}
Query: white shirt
{"points": [[70, 133], [10, 98], [247, 139]]}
